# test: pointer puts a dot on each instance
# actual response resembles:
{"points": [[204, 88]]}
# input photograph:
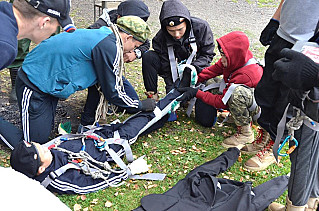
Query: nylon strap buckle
{"points": [[192, 39], [53, 175]]}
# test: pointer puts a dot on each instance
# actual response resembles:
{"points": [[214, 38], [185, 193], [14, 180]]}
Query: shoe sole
{"points": [[239, 146], [248, 153], [258, 168]]}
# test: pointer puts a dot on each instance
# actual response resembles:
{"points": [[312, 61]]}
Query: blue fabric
{"points": [[8, 35], [63, 64]]}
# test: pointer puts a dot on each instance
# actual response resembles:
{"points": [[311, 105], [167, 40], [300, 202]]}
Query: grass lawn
{"points": [[175, 149]]}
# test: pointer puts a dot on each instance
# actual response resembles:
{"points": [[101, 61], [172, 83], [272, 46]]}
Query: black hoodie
{"points": [[128, 7], [202, 32]]}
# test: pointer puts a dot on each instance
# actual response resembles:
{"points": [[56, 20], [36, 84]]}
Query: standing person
{"points": [[295, 20], [241, 73], [35, 20], [23, 50], [300, 73], [125, 8], [92, 57], [180, 36]]}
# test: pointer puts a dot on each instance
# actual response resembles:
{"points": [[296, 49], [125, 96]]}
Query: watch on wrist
{"points": [[138, 53]]}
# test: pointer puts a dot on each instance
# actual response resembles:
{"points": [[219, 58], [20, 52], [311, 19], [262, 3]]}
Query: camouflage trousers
{"points": [[239, 103]]}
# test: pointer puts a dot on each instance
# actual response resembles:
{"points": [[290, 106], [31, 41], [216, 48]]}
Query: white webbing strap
{"points": [[229, 92], [211, 86], [54, 174], [172, 62], [171, 55], [124, 143], [192, 41], [253, 107], [149, 176], [116, 158], [233, 86], [222, 85]]}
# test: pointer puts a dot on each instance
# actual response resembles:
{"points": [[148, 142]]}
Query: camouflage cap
{"points": [[134, 26]]}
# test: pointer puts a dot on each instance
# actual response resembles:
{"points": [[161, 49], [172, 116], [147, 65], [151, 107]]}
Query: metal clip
{"points": [[291, 149]]}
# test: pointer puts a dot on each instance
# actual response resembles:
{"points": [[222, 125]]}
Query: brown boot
{"points": [[312, 204], [244, 135], [261, 140], [289, 206], [276, 207], [262, 159], [153, 95]]}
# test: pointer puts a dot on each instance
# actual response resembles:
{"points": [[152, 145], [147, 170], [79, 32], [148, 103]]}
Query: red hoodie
{"points": [[235, 45]]}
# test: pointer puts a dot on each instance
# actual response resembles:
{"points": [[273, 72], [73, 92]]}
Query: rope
{"points": [[88, 164], [103, 107], [295, 123]]}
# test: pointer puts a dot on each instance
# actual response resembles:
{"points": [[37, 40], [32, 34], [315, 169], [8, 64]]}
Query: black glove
{"points": [[148, 104], [188, 93], [269, 32], [296, 70], [186, 80]]}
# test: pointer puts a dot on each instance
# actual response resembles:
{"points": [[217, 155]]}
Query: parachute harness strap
{"points": [[89, 166]]}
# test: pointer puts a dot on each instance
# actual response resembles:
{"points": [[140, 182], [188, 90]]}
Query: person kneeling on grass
{"points": [[93, 57], [241, 73]]}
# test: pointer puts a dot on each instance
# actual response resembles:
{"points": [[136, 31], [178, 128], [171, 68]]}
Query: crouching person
{"points": [[90, 57], [241, 73]]}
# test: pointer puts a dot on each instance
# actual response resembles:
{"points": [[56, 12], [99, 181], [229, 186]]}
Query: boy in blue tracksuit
{"points": [[64, 64]]}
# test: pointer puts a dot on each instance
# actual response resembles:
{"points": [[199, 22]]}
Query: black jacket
{"points": [[113, 16], [201, 190], [202, 32]]}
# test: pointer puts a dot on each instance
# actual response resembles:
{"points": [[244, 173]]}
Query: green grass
{"points": [[175, 149]]}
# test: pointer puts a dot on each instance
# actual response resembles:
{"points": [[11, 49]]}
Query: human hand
{"points": [[188, 93], [269, 32], [297, 97], [296, 70], [129, 56], [148, 104]]}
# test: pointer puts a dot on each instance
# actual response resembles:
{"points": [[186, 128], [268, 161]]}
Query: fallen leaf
{"points": [[151, 186], [108, 204], [94, 201], [83, 197], [77, 207]]}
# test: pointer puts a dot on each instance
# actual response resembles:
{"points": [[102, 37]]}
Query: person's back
{"points": [[68, 66]]}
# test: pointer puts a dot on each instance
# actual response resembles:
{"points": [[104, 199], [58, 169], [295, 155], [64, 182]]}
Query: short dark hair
{"points": [[26, 10]]}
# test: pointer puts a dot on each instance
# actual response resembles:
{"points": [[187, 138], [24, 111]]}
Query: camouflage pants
{"points": [[240, 101]]}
